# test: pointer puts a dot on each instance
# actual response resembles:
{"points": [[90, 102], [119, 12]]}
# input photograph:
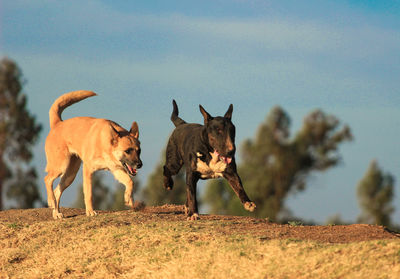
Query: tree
{"points": [[155, 194], [18, 133], [100, 193], [375, 193], [103, 198], [336, 219], [274, 165], [117, 200], [23, 188]]}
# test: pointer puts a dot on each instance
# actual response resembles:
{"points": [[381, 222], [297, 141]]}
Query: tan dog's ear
{"points": [[206, 115], [114, 134], [134, 130]]}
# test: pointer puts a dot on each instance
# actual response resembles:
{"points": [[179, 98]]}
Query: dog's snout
{"points": [[230, 147], [139, 164], [231, 152]]}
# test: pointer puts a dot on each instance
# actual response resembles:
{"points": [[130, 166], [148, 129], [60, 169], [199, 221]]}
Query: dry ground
{"points": [[232, 224], [158, 242]]}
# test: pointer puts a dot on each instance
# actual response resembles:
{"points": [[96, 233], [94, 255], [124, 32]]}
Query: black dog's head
{"points": [[220, 134]]}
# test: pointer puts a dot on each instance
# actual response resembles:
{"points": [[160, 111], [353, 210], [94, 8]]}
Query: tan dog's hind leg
{"points": [[48, 180], [51, 200], [66, 179], [125, 179], [58, 159], [87, 191]]}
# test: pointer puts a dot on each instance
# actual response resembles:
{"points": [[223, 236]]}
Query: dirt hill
{"points": [[233, 224]]}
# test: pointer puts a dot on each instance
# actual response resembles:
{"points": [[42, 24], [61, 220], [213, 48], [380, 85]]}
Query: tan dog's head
{"points": [[126, 147]]}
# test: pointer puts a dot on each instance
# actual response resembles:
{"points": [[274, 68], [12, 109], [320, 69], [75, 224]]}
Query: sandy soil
{"points": [[232, 224]]}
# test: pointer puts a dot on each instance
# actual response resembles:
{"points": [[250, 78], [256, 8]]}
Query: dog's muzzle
{"points": [[226, 159], [131, 169]]}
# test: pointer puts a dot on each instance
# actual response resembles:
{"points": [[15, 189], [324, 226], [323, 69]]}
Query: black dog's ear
{"points": [[134, 130], [206, 115], [228, 113]]}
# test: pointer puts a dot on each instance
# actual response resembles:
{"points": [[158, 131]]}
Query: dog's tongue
{"points": [[227, 160], [131, 170]]}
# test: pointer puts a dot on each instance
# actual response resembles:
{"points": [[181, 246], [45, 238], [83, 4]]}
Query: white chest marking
{"points": [[213, 170]]}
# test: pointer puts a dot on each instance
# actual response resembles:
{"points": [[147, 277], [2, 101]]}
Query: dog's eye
{"points": [[129, 151]]}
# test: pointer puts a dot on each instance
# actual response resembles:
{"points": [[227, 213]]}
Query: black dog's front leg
{"points": [[236, 184], [191, 200]]}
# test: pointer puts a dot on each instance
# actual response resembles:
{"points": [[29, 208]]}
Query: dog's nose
{"points": [[139, 164]]}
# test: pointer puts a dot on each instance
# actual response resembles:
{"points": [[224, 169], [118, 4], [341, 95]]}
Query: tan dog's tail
{"points": [[65, 101]]}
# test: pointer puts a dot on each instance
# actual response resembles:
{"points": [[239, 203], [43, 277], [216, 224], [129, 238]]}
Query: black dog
{"points": [[207, 151]]}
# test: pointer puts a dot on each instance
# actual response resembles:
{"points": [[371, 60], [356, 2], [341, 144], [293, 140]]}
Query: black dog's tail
{"points": [[174, 116]]}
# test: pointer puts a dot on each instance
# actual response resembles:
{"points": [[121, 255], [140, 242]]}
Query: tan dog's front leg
{"points": [[125, 179], [87, 191]]}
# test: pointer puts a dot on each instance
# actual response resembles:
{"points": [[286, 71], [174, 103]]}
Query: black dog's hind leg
{"points": [[236, 184], [191, 209], [173, 164], [168, 172]]}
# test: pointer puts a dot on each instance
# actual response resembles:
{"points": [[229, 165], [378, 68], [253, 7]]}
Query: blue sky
{"points": [[340, 56]]}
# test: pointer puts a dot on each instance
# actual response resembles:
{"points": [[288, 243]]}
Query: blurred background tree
{"points": [[117, 201], [103, 198], [100, 194], [336, 219], [274, 165], [154, 192], [19, 131], [22, 188], [375, 193]]}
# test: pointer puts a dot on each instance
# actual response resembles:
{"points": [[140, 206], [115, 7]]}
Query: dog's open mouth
{"points": [[226, 160], [130, 170]]}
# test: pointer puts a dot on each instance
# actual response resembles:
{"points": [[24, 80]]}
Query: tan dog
{"points": [[101, 144]]}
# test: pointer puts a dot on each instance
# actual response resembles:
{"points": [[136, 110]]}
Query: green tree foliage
{"points": [[117, 198], [103, 198], [274, 164], [18, 133], [336, 220], [375, 195], [100, 193], [154, 192], [23, 189]]}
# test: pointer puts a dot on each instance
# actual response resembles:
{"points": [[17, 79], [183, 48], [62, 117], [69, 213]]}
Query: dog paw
{"points": [[57, 215], [168, 183], [91, 213], [129, 203], [249, 206], [194, 217]]}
